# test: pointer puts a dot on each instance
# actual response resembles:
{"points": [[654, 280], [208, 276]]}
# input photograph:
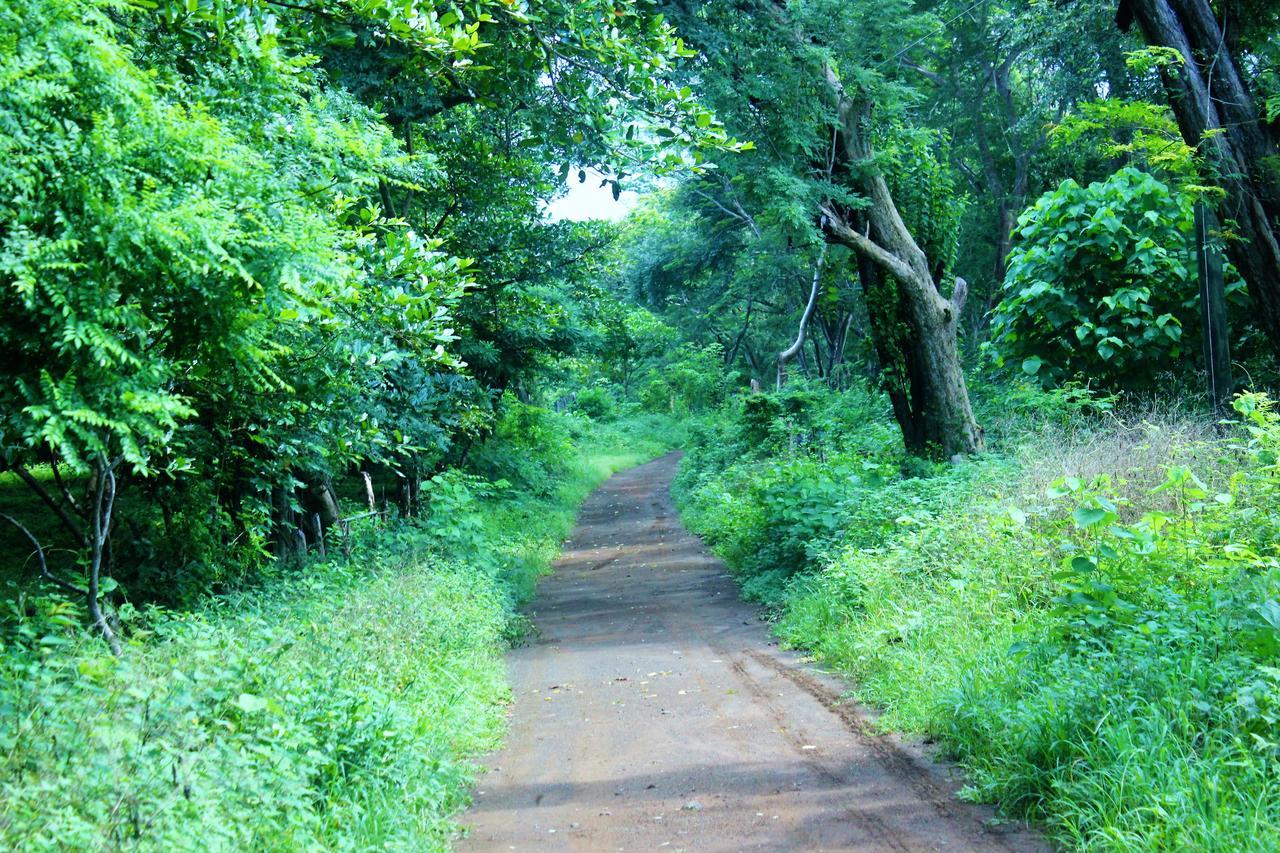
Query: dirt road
{"points": [[653, 712]]}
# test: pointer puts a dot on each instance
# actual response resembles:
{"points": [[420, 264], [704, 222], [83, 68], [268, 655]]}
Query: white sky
{"points": [[590, 200]]}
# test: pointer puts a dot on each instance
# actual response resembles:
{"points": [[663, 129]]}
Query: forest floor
{"points": [[652, 710]]}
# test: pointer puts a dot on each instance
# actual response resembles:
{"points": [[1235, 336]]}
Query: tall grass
{"points": [[1087, 618]]}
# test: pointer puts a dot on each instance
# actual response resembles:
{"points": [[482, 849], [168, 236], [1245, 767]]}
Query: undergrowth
{"points": [[336, 706], [1088, 618]]}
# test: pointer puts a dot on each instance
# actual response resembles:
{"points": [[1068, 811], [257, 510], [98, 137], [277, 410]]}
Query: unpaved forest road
{"points": [[653, 712]]}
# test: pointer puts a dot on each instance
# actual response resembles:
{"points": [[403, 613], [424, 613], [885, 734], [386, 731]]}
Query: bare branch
{"points": [[739, 215], [62, 487], [58, 509], [39, 552], [850, 237], [790, 352]]}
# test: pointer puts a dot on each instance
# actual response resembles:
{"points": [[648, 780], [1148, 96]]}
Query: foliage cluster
{"points": [[250, 249], [339, 708], [1100, 283], [1095, 642]]}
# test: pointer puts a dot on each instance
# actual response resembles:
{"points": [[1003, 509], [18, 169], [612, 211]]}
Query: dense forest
{"points": [[966, 314]]}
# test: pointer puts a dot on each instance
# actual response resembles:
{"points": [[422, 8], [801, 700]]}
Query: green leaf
{"points": [[250, 704], [1089, 516], [1083, 565]]}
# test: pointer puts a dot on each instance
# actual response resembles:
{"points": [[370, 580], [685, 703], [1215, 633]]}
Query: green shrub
{"points": [[333, 709], [1100, 281], [337, 707], [1098, 649], [597, 403]]}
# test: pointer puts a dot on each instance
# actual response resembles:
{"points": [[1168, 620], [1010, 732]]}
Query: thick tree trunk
{"points": [[920, 365], [933, 399], [1209, 94]]}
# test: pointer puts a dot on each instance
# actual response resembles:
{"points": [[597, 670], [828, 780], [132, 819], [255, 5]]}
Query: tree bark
{"points": [[798, 344], [284, 526], [1213, 312], [1209, 95], [103, 505], [927, 384], [320, 502]]}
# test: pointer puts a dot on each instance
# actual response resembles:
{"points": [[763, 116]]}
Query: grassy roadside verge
{"points": [[1086, 619], [340, 705]]}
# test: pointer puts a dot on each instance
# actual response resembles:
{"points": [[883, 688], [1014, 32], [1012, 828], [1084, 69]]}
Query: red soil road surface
{"points": [[652, 712]]}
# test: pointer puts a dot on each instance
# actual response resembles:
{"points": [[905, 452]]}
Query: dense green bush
{"points": [[235, 257], [776, 483], [338, 707], [597, 402], [1100, 282], [690, 379], [1089, 620]]}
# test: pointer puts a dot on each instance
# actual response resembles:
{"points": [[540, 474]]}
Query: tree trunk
{"points": [[100, 537], [284, 526], [319, 501], [1209, 94], [919, 367], [932, 398], [835, 350], [408, 489], [797, 346], [1213, 312], [732, 354]]}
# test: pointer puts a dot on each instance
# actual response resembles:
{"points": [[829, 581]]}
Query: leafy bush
{"points": [[773, 487], [1100, 281], [692, 379], [597, 403], [530, 446], [336, 708]]}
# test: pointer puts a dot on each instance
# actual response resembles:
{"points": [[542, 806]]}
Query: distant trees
{"points": [[247, 247], [808, 84], [912, 138]]}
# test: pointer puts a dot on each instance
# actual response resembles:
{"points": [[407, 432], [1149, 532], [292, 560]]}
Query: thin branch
{"points": [[740, 215], [104, 502], [58, 510], [62, 487], [44, 566]]}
